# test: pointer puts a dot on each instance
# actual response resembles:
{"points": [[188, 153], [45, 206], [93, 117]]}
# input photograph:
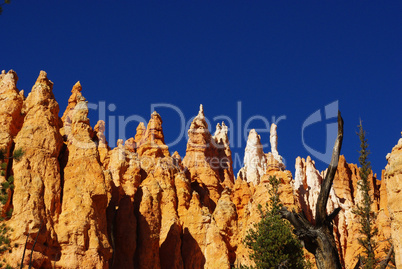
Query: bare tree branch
{"points": [[318, 238], [358, 264], [384, 263], [332, 216], [326, 185]]}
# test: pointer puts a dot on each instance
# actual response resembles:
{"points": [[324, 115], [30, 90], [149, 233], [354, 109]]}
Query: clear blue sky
{"points": [[275, 57]]}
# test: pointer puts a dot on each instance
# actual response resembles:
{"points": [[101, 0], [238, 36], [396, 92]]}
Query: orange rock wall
{"points": [[138, 206]]}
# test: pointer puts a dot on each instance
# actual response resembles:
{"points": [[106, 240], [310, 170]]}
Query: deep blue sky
{"points": [[275, 57]]}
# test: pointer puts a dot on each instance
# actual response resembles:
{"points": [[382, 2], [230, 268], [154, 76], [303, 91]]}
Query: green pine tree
{"points": [[366, 217], [8, 184], [272, 242]]}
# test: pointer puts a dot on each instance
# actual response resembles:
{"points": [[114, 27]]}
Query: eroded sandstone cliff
{"points": [[138, 206]]}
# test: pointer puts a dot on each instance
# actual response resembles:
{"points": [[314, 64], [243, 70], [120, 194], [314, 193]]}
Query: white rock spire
{"points": [[254, 160], [273, 139]]}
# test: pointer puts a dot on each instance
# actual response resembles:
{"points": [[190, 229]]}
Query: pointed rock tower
{"points": [[11, 117], [255, 163], [10, 109], [225, 169], [202, 159], [37, 193], [152, 141], [82, 226]]}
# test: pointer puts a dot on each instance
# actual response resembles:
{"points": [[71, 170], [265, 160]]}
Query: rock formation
{"points": [[393, 177], [256, 163], [124, 172], [346, 196], [103, 147], [38, 191], [11, 117], [273, 139], [152, 141], [202, 160], [254, 160], [72, 101], [307, 185], [137, 206], [225, 164], [10, 109], [82, 225]]}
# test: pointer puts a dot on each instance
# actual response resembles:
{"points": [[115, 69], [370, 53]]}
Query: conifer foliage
{"points": [[271, 242], [6, 187], [8, 184], [365, 215]]}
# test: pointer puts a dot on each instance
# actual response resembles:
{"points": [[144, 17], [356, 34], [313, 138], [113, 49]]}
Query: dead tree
{"points": [[384, 263], [318, 238]]}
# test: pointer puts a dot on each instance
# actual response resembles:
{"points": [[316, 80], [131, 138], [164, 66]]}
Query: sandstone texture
{"points": [[37, 176], [139, 206], [343, 195], [202, 161], [82, 226], [393, 177], [254, 160], [152, 141], [11, 117]]}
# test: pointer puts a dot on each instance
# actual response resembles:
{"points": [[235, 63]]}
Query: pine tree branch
{"points": [[366, 217]]}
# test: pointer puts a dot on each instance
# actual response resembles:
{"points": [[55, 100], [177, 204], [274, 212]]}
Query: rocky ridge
{"points": [[138, 206]]}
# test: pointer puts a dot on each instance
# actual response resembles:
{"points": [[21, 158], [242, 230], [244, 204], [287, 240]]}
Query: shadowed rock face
{"points": [[137, 206]]}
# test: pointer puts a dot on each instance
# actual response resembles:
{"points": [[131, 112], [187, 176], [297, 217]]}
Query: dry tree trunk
{"points": [[384, 263], [318, 238]]}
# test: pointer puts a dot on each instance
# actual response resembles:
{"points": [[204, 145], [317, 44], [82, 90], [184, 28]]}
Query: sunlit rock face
{"points": [[254, 160], [82, 226], [139, 206], [225, 162], [345, 195], [11, 117], [37, 194], [393, 178], [202, 160], [151, 142], [273, 139], [72, 101]]}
